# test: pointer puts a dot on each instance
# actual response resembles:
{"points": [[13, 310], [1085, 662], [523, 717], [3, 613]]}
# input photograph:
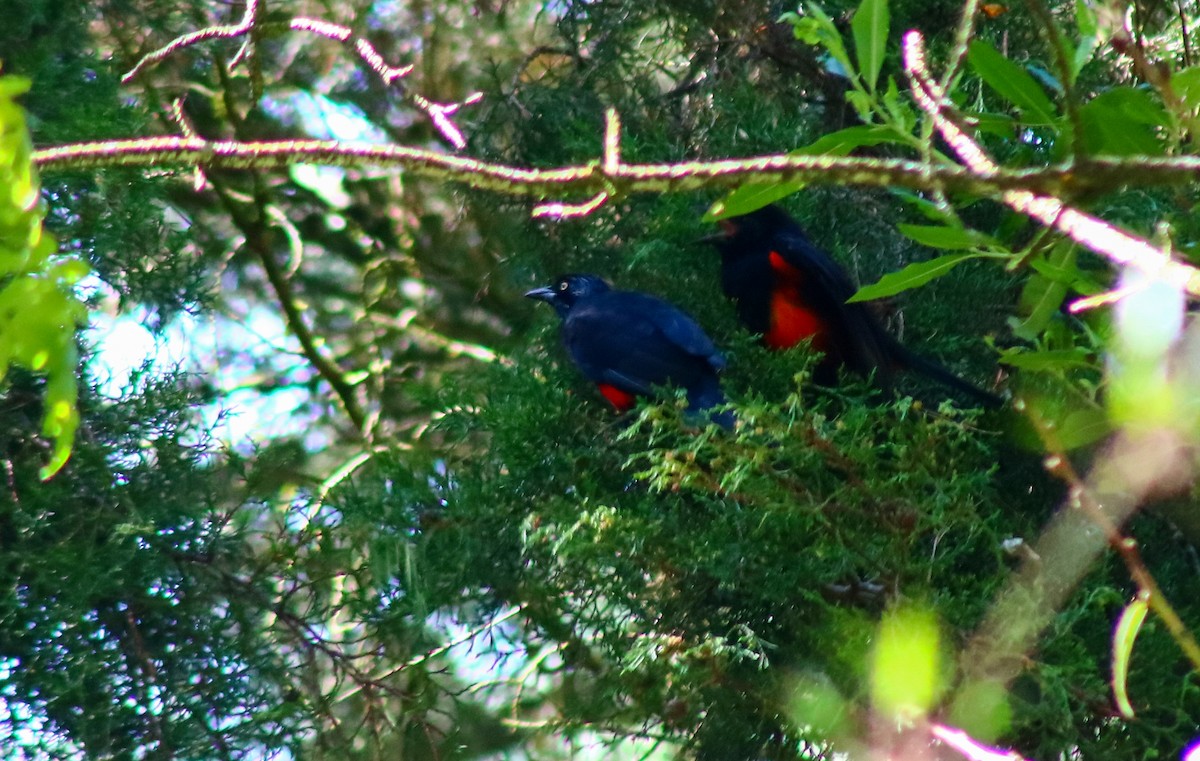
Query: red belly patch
{"points": [[622, 401], [791, 320]]}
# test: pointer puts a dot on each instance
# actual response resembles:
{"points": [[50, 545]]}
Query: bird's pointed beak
{"points": [[724, 232], [545, 293]]}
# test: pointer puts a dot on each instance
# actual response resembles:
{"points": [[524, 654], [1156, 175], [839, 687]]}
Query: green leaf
{"points": [[927, 208], [750, 197], [843, 141], [1044, 292], [943, 236], [1186, 84], [12, 86], [912, 276], [755, 195], [1012, 83], [1089, 36], [1124, 635], [815, 702], [1083, 427], [38, 310], [862, 103], [870, 27], [1000, 125], [1040, 361], [981, 708], [905, 668], [817, 28], [1124, 121], [899, 108]]}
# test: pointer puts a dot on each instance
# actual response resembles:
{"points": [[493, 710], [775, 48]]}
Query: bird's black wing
{"points": [[857, 334], [635, 341]]}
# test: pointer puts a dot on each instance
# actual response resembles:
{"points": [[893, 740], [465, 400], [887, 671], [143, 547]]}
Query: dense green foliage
{"points": [[433, 538]]}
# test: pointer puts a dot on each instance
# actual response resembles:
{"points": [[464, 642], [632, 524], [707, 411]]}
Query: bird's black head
{"points": [[567, 290], [748, 234]]}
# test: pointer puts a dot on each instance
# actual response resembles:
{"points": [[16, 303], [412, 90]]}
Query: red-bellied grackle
{"points": [[789, 290]]}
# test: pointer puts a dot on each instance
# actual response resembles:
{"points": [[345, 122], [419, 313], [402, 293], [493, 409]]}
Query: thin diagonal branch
{"points": [[254, 230], [324, 366], [439, 113], [226, 32]]}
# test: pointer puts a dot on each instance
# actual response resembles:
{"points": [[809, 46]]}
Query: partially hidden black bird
{"points": [[788, 290], [628, 343]]}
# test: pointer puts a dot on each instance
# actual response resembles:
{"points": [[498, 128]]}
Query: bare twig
{"points": [[364, 48], [483, 628], [558, 210], [189, 130], [438, 113], [227, 32], [962, 42]]}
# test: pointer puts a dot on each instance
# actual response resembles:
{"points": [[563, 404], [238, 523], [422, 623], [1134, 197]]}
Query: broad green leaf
{"points": [[1082, 427], [750, 197], [1000, 125], [814, 701], [899, 108], [905, 667], [1123, 121], [755, 195], [870, 27], [842, 142], [38, 311], [1089, 36], [1186, 84], [928, 209], [1124, 635], [1044, 292], [1039, 361], [912, 276], [1012, 83], [981, 709], [943, 236], [817, 28], [861, 102], [12, 86], [1064, 269]]}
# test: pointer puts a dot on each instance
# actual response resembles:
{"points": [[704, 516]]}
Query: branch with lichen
{"points": [[1030, 191]]}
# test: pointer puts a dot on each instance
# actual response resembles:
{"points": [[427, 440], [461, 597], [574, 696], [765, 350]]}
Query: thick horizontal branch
{"points": [[621, 178]]}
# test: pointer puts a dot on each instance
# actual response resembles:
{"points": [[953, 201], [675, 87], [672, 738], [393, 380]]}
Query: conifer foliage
{"points": [[360, 504]]}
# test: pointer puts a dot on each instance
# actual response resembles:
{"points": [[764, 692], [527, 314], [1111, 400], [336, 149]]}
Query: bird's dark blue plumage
{"points": [[629, 343]]}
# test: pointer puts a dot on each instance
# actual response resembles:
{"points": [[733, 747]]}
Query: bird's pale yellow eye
{"points": [[563, 285]]}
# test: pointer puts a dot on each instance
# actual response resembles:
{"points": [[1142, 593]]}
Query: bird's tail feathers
{"points": [[936, 372]]}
